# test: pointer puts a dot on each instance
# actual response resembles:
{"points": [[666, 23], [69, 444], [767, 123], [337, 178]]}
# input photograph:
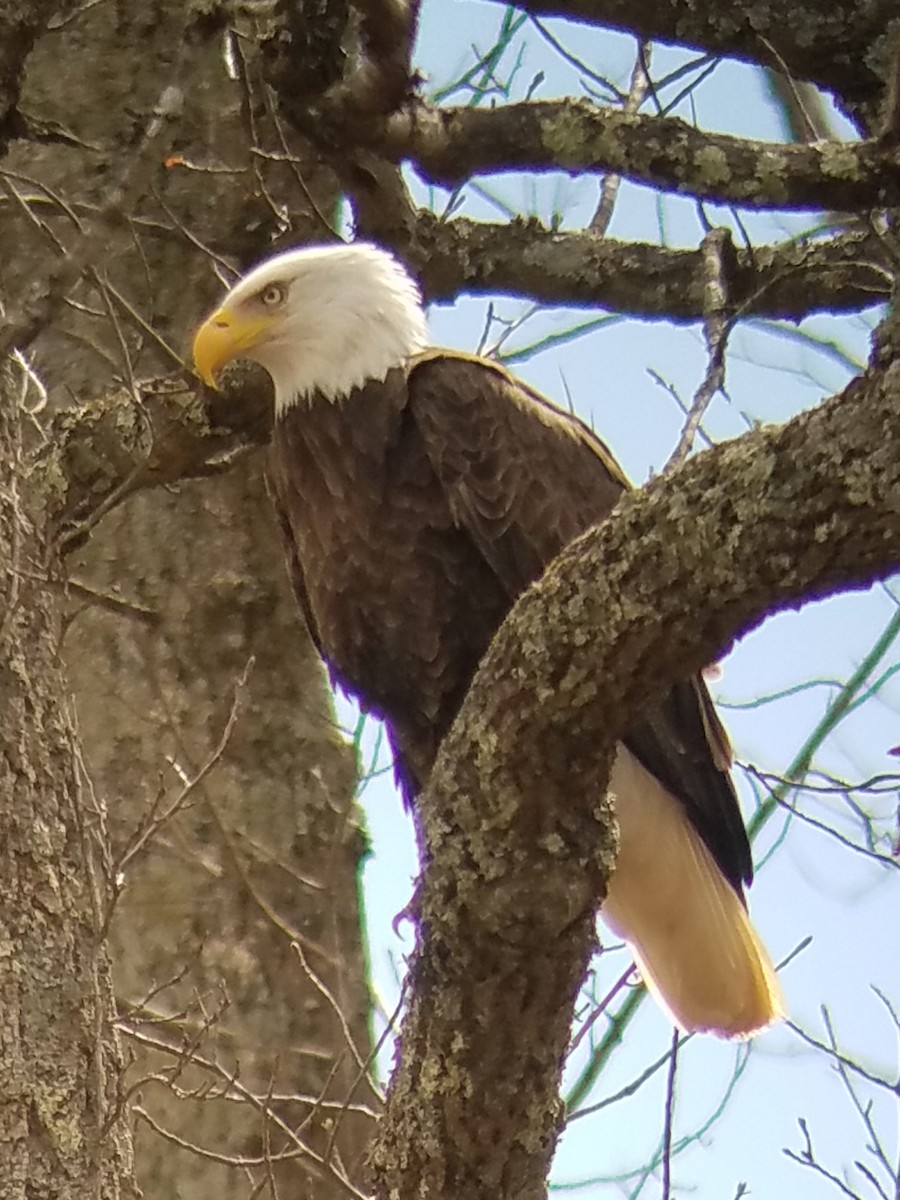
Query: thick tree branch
{"points": [[98, 455], [384, 80], [832, 44], [522, 258], [449, 145], [306, 61], [516, 832]]}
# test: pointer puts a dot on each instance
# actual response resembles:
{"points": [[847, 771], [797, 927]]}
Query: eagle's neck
{"points": [[336, 349]]}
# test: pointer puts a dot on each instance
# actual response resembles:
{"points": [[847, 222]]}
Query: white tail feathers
{"points": [[690, 934]]}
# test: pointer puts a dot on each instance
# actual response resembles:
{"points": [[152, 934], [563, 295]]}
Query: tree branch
{"points": [[522, 258], [517, 833], [99, 455], [384, 80], [830, 44], [448, 145]]}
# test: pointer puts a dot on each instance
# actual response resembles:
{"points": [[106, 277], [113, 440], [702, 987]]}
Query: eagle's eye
{"points": [[273, 294]]}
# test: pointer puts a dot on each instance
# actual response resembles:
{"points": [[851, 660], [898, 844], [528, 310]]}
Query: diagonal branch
{"points": [[384, 80], [718, 250], [609, 189]]}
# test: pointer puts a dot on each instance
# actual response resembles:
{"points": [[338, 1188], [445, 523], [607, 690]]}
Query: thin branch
{"points": [[598, 1011], [637, 91], [295, 936], [670, 1118], [112, 604], [152, 826], [234, 1087], [716, 248], [842, 1060], [807, 1158], [320, 986]]}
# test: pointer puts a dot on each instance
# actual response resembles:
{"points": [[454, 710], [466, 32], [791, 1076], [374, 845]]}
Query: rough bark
{"points": [[450, 144], [63, 1132], [523, 258]]}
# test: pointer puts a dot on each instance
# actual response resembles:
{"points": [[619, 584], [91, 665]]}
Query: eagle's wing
{"points": [[524, 479], [294, 567], [522, 476]]}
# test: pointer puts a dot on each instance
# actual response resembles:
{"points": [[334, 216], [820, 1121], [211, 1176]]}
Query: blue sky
{"points": [[812, 885]]}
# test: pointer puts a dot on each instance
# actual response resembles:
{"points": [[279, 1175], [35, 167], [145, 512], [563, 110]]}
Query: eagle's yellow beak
{"points": [[222, 337]]}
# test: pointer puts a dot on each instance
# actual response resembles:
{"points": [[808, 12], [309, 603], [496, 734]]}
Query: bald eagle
{"points": [[419, 491]]}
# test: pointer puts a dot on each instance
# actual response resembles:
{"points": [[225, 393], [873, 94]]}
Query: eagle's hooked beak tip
{"points": [[213, 347]]}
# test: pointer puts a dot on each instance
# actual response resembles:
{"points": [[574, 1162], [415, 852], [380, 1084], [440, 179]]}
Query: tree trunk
{"points": [[262, 855], [62, 1130]]}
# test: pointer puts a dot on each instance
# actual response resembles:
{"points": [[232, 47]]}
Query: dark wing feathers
{"points": [[524, 488], [295, 569], [501, 469]]}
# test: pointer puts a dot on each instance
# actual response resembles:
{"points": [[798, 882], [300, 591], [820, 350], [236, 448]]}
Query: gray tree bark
{"points": [[63, 1129]]}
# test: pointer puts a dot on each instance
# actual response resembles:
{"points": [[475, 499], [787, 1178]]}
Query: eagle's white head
{"points": [[322, 319]]}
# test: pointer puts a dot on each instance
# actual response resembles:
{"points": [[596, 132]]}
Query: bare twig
{"points": [[864, 1111], [280, 922], [637, 91], [364, 1072], [842, 1059], [155, 822], [318, 983], [669, 1119], [104, 600], [807, 1158], [716, 247], [234, 1087], [599, 1010]]}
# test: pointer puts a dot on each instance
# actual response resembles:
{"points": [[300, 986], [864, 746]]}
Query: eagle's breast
{"points": [[401, 606]]}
